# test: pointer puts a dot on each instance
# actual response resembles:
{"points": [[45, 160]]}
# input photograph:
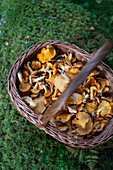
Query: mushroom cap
{"points": [[78, 98], [24, 87], [40, 105], [91, 107], [89, 81], [103, 82], [68, 58], [61, 83], [34, 89], [104, 108], [35, 65], [64, 117], [46, 54], [83, 122]]}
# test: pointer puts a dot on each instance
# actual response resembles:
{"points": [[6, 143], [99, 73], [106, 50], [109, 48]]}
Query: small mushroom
{"points": [[74, 71], [46, 54], [35, 65], [78, 99], [47, 93], [40, 105], [68, 58], [83, 122], [103, 82], [35, 90], [92, 90], [89, 81], [23, 87], [103, 109], [94, 73], [34, 95], [90, 107], [106, 89], [28, 67], [25, 75]]}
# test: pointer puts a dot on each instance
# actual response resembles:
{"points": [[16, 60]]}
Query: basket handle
{"points": [[96, 58]]}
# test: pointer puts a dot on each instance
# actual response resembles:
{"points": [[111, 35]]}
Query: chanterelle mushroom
{"points": [[104, 108], [38, 105], [64, 117], [61, 83], [46, 54], [90, 107], [23, 87], [35, 90], [35, 65], [83, 122]]}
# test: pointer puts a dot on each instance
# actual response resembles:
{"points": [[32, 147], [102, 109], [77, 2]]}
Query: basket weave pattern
{"points": [[25, 111]]}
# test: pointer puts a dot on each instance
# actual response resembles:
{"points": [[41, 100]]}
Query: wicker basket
{"points": [[61, 47]]}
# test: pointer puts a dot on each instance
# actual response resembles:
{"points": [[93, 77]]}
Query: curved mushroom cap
{"points": [[90, 107], [35, 65], [64, 117], [46, 54], [40, 105], [103, 82], [68, 58], [83, 122], [34, 89], [89, 81], [24, 87], [104, 108], [61, 83], [78, 99]]}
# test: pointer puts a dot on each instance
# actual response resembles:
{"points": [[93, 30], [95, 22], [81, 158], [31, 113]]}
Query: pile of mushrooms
{"points": [[42, 80]]}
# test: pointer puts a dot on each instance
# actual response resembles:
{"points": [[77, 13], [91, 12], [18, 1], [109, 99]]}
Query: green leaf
{"points": [[94, 151], [91, 165], [81, 155], [92, 157]]}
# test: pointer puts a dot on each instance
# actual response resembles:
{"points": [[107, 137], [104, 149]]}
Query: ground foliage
{"points": [[22, 145]]}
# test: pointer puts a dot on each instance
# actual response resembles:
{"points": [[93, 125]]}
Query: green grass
{"points": [[22, 145]]}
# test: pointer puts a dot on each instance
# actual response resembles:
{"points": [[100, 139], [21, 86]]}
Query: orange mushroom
{"points": [[83, 122], [61, 83], [103, 109], [35, 65], [64, 117], [46, 54], [90, 107], [23, 86]]}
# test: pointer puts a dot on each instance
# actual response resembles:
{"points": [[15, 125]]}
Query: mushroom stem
{"points": [[29, 68], [67, 78], [38, 79], [20, 77]]}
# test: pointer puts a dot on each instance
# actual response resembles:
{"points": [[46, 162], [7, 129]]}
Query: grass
{"points": [[22, 145]]}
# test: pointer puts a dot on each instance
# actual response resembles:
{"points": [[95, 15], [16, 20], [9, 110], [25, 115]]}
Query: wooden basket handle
{"points": [[96, 58]]}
